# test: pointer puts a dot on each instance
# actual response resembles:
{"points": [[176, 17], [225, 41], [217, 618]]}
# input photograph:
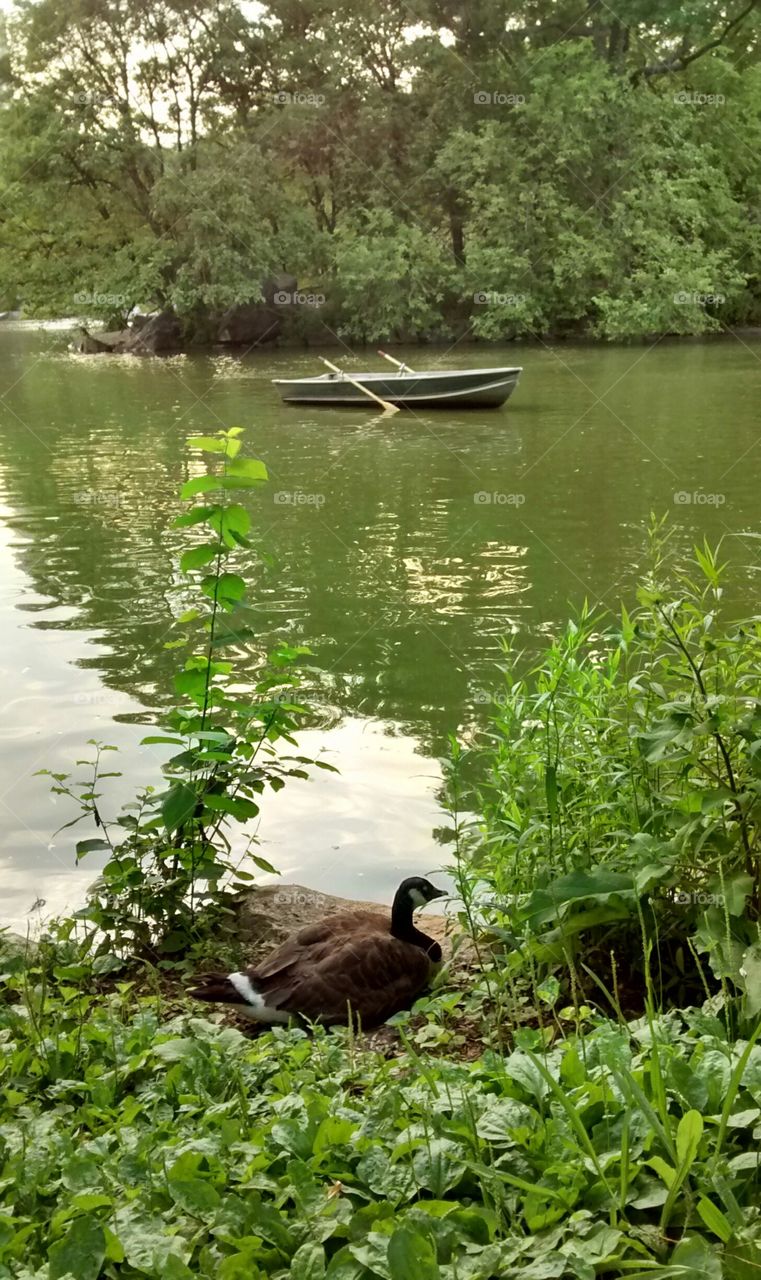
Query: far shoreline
{"points": [[66, 324]]}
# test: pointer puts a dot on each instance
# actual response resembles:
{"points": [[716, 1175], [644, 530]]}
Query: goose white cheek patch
{"points": [[253, 1003]]}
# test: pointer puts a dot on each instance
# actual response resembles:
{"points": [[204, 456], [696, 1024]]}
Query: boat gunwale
{"points": [[325, 379], [465, 393]]}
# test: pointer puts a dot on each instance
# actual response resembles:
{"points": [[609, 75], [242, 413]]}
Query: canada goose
{"points": [[371, 964]]}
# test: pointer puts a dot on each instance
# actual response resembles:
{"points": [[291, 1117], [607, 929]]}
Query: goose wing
{"points": [[373, 974], [314, 942]]}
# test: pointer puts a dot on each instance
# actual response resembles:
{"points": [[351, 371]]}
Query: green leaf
{"points": [[237, 1266], [209, 444], [268, 1222], [88, 1200], [334, 1131], [343, 1266], [699, 1260], [668, 738], [146, 1245], [191, 682], [745, 1161], [742, 1261], [114, 1250], [195, 1195], [412, 1256], [735, 891], [248, 468], [231, 587], [714, 1219], [175, 1050], [308, 1262], [663, 1169], [238, 806], [90, 846], [263, 864], [178, 805], [199, 484], [195, 557], [81, 1173], [194, 516], [175, 1269], [548, 991], [750, 973], [598, 885], [80, 1253], [438, 1166], [228, 586], [233, 523], [688, 1135]]}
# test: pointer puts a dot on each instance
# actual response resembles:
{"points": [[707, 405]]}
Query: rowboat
{"points": [[433, 389]]}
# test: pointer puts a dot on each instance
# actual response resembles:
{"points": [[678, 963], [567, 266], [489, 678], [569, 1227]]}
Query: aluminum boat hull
{"points": [[433, 389]]}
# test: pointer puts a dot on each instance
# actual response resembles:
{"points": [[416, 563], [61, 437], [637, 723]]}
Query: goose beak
{"points": [[439, 893]]}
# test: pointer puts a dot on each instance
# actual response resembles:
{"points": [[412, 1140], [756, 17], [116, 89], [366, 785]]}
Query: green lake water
{"points": [[402, 550]]}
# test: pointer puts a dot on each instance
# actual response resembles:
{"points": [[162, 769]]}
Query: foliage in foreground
{"points": [[133, 1149], [171, 851], [622, 802]]}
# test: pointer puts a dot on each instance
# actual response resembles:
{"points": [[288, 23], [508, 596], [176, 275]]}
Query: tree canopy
{"points": [[433, 168]]}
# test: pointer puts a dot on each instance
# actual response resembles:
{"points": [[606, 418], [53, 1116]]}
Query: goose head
{"points": [[412, 893]]}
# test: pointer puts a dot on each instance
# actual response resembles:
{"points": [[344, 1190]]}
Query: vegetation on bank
{"points": [[583, 1100], [621, 829], [170, 853], [471, 168], [134, 1147]]}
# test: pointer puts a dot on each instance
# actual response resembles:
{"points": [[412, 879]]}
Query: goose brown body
{"points": [[357, 964]]}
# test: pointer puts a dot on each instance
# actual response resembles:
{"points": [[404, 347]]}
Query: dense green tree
{"points": [[436, 168]]}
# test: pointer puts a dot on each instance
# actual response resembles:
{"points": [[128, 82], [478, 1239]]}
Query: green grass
{"points": [[136, 1147]]}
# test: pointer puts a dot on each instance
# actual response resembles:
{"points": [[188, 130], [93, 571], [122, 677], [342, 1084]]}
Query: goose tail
{"points": [[216, 988], [238, 989]]}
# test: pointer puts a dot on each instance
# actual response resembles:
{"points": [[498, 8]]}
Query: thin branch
{"points": [[683, 60]]}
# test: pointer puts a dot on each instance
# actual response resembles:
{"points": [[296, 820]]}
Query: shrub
{"points": [[169, 850], [622, 785]]}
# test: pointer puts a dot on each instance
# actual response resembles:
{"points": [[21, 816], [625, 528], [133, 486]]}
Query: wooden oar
{"points": [[405, 367], [384, 404]]}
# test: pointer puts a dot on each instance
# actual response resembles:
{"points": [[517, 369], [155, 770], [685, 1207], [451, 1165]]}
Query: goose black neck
{"points": [[402, 925]]}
